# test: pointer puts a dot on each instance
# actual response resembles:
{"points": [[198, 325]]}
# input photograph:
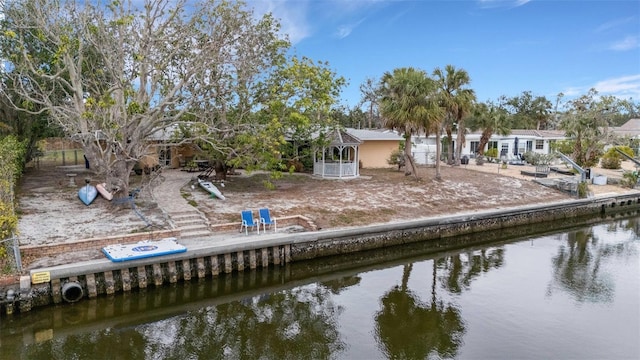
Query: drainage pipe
{"points": [[72, 291]]}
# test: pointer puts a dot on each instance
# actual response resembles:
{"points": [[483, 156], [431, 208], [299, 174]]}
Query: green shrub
{"points": [[493, 153], [583, 189], [627, 150], [12, 155], [563, 146], [630, 179], [611, 159]]}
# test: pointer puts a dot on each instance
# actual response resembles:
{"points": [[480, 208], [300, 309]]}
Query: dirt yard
{"points": [[50, 211]]}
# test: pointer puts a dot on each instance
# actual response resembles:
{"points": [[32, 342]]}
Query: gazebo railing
{"points": [[335, 169]]}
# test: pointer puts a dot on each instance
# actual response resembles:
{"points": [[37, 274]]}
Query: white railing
{"points": [[345, 169]]}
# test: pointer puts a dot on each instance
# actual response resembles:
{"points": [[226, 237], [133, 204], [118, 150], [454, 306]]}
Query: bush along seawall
{"points": [[89, 279]]}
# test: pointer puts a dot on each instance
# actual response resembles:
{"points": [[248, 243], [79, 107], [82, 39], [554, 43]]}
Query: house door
{"points": [[164, 156]]}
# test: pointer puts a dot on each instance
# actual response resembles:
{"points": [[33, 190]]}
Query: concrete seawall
{"points": [[210, 257]]}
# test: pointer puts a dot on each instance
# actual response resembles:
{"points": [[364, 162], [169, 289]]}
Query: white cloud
{"points": [[345, 30], [614, 24], [623, 87], [628, 43], [292, 16], [501, 3]]}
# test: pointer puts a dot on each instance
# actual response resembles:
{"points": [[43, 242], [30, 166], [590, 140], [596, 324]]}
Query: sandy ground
{"points": [[50, 211]]}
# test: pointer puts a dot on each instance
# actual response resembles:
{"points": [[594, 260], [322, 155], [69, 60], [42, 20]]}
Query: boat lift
{"points": [[628, 157], [583, 172]]}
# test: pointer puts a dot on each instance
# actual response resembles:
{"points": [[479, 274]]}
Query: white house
{"points": [[516, 143]]}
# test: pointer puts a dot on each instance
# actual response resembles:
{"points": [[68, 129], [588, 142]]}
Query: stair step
{"points": [[194, 227], [195, 234], [181, 217], [188, 222], [183, 213]]}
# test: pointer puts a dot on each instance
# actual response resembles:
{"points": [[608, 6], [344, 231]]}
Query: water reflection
{"points": [[411, 302], [409, 328], [577, 266], [458, 271]]}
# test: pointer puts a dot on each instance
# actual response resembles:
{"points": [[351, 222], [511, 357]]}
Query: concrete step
{"points": [[188, 222], [194, 227], [186, 216], [195, 234]]}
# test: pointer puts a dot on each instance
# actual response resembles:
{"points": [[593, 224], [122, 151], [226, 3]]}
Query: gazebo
{"points": [[338, 159]]}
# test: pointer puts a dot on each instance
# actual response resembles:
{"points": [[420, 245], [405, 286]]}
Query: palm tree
{"points": [[456, 100], [408, 105], [491, 119]]}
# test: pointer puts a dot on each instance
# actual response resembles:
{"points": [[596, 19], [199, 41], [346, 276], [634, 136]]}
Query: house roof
{"points": [[542, 134], [630, 128], [539, 133], [163, 134], [378, 134]]}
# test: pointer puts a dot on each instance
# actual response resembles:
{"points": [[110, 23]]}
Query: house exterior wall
{"points": [[506, 143], [375, 153], [178, 156]]}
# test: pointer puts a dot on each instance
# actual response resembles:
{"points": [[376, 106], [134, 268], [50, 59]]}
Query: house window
{"points": [[529, 145], [539, 144], [474, 147], [492, 145], [505, 149]]}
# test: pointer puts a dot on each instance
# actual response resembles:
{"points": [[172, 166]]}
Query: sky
{"points": [[506, 46]]}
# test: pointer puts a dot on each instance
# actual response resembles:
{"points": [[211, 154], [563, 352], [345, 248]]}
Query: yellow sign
{"points": [[40, 277]]}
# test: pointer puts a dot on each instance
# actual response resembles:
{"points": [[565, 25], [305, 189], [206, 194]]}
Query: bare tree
{"points": [[111, 74], [371, 93]]}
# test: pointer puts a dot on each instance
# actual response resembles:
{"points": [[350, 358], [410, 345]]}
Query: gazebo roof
{"points": [[341, 137]]}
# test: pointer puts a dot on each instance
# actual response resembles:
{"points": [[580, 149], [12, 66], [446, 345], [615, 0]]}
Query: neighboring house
{"points": [[509, 146], [629, 129], [376, 147]]}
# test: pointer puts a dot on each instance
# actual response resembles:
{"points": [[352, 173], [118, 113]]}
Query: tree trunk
{"points": [[484, 139], [118, 178], [459, 142], [449, 146], [221, 170], [438, 154], [409, 157]]}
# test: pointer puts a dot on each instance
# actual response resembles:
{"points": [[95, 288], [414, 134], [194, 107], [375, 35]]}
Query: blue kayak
{"points": [[87, 194]]}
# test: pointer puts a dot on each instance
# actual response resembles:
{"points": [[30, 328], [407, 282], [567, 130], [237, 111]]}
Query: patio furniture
{"points": [[248, 222], [266, 219]]}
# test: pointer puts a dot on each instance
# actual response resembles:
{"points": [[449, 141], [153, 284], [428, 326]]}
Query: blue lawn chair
{"points": [[266, 219], [247, 222]]}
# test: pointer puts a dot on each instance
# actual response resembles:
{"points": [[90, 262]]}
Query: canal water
{"points": [[573, 294]]}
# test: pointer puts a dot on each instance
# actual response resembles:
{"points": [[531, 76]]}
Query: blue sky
{"points": [[506, 46]]}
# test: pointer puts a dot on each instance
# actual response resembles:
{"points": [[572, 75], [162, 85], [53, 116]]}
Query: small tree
{"points": [[396, 158]]}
